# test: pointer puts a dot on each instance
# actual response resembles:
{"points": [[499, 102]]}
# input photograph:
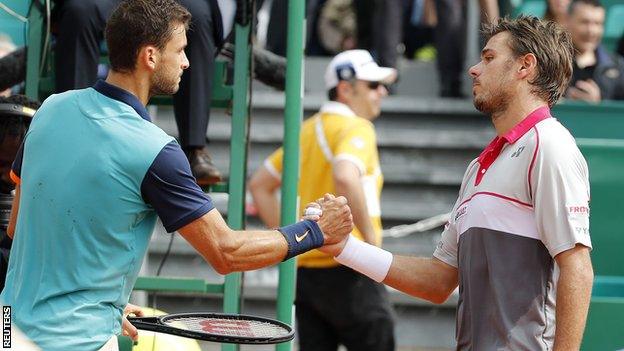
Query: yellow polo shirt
{"points": [[334, 134]]}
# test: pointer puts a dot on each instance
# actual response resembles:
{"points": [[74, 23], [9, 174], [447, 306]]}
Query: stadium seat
{"points": [[614, 25], [11, 26], [606, 315], [605, 159], [587, 120], [535, 8]]}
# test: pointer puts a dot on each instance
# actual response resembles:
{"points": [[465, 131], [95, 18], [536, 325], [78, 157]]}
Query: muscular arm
{"points": [[573, 295], [263, 186], [228, 250], [348, 184], [14, 211], [426, 278]]}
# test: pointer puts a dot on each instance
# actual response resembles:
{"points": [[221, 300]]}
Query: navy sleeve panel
{"points": [[17, 163], [171, 189]]}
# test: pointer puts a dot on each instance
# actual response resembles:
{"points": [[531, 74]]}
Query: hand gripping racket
{"points": [[218, 327]]}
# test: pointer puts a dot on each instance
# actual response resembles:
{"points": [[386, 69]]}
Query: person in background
{"points": [[450, 41], [336, 305], [80, 25], [557, 11], [620, 46], [598, 75], [92, 176], [517, 246], [380, 29]]}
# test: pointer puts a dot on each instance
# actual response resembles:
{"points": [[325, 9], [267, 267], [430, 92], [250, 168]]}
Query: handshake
{"points": [[334, 218]]}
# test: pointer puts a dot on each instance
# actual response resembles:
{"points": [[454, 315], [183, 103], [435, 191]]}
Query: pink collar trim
{"points": [[526, 124]]}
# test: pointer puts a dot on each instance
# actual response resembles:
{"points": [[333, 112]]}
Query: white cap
{"points": [[358, 64]]}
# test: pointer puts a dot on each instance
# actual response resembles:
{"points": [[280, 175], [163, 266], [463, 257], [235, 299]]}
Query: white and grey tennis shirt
{"points": [[522, 202]]}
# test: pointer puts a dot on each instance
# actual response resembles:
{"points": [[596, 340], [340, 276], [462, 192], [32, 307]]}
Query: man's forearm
{"points": [[361, 219], [268, 207], [424, 277], [573, 296], [357, 201], [263, 186]]}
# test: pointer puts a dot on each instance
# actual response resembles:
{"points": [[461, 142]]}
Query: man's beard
{"points": [[492, 104], [161, 85]]}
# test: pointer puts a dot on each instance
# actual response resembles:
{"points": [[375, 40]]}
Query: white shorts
{"points": [[111, 345]]}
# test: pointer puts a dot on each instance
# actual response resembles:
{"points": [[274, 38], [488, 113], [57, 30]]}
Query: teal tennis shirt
{"points": [[95, 174]]}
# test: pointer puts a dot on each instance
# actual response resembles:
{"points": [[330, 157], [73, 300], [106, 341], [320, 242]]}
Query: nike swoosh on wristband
{"points": [[300, 238]]}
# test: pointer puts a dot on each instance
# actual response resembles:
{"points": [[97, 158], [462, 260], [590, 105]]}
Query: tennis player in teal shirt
{"points": [[93, 175]]}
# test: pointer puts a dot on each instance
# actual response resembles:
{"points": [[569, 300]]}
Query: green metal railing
{"points": [[40, 84], [290, 179], [35, 45]]}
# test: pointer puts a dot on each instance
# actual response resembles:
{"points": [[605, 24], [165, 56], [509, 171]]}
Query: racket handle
{"points": [[145, 323]]}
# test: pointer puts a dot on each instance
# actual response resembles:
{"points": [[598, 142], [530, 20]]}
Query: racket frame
{"points": [[157, 324]]}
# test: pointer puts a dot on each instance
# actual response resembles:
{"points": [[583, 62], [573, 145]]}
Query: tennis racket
{"points": [[218, 327]]}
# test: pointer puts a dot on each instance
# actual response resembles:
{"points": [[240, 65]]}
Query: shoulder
{"points": [[358, 125], [339, 128], [556, 146], [150, 137], [61, 99], [55, 106], [552, 137], [360, 133], [610, 60]]}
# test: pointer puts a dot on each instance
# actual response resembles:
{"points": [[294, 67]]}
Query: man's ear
{"points": [[148, 57], [528, 66], [344, 89]]}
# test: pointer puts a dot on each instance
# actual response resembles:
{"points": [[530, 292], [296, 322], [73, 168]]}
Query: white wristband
{"points": [[365, 258]]}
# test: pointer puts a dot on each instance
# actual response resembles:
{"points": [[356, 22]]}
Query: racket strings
{"points": [[229, 327]]}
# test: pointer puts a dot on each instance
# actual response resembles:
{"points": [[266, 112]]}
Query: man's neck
{"points": [[132, 83], [517, 111], [586, 59]]}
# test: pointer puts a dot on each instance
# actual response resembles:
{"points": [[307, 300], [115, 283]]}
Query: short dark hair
{"points": [[551, 45], [593, 3], [137, 23], [332, 94]]}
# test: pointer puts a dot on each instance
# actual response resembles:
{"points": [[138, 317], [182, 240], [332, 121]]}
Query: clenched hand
{"points": [[336, 221]]}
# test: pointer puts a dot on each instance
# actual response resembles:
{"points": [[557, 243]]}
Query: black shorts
{"points": [[340, 306]]}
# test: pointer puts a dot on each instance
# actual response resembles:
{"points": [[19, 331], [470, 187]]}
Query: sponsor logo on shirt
{"points": [[578, 211], [582, 230], [518, 152], [461, 212]]}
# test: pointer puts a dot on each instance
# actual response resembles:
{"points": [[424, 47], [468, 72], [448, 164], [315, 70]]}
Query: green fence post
{"points": [[35, 30], [290, 179], [238, 161]]}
